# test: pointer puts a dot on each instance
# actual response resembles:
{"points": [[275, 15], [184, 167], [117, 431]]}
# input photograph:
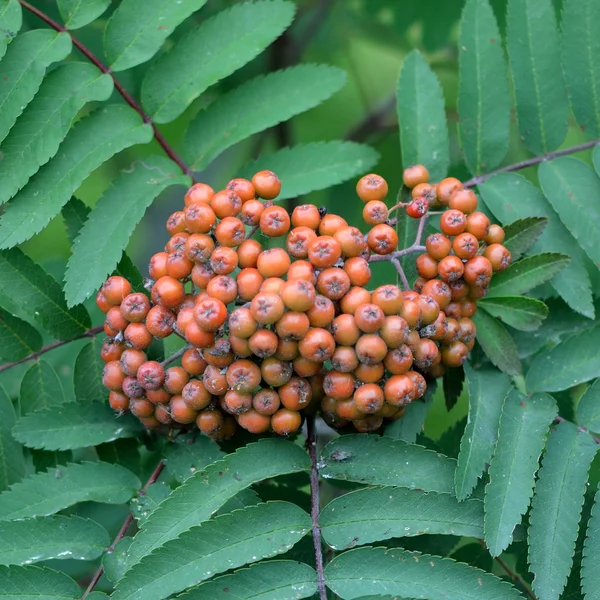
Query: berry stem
{"points": [[158, 136], [123, 530], [422, 223], [176, 355], [400, 270], [34, 355], [311, 445]]}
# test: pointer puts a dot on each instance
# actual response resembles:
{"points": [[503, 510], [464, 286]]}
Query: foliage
{"points": [[485, 488]]}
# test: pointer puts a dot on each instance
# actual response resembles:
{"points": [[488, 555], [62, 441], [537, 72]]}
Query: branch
{"points": [[372, 121], [34, 355], [126, 524], [176, 355], [530, 162], [311, 444], [124, 93]]}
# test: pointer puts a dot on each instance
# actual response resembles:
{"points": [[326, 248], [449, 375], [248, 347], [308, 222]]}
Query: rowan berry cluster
{"points": [[280, 331]]}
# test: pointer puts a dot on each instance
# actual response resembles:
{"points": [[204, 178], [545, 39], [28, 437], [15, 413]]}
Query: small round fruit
{"points": [[286, 422], [266, 184], [414, 175], [371, 187]]}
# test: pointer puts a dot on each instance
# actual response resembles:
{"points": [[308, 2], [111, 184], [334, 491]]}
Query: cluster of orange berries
{"points": [[281, 331]]}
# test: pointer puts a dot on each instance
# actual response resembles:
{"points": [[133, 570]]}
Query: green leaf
{"points": [[123, 452], [46, 493], [496, 342], [520, 312], [33, 540], [534, 52], [596, 158], [29, 583], [225, 42], [422, 117], [24, 67], [137, 29], [270, 580], [17, 337], [573, 284], [527, 273], [114, 563], [74, 426], [143, 505], [407, 574], [590, 562], [572, 187], [247, 497], [87, 374], [556, 507], [40, 388], [74, 213], [412, 422], [452, 385], [11, 19], [316, 166], [218, 545], [522, 234], [12, 464], [567, 364], [483, 100], [521, 439], [374, 514], [35, 292], [215, 485], [487, 391], [383, 460], [45, 122], [92, 141], [78, 13], [255, 106], [580, 51], [588, 407], [94, 257], [127, 269], [188, 454]]}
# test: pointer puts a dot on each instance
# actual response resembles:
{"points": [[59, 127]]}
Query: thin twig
{"points": [[422, 223], [397, 254], [176, 355], [400, 270], [126, 524], [124, 93], [311, 444], [530, 162], [89, 333]]}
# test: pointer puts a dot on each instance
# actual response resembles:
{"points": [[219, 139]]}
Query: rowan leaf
{"points": [[78, 13], [497, 343], [40, 388], [87, 373], [12, 463], [588, 407], [520, 312], [11, 19], [521, 234], [17, 337], [590, 562], [413, 420], [188, 454], [25, 583]]}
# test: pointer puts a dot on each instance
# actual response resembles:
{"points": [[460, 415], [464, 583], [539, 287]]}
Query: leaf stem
{"points": [[158, 136], [311, 445], [123, 530], [34, 355]]}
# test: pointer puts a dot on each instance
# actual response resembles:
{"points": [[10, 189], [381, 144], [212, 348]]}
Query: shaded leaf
{"points": [[411, 575], [144, 504], [521, 439], [590, 562], [588, 407], [33, 540], [77, 13], [115, 563], [255, 106], [567, 364], [46, 493], [247, 497], [93, 258], [216, 484], [189, 453], [24, 583], [580, 50], [521, 234], [37, 134], [487, 391], [17, 337], [309, 167], [497, 344], [88, 145], [453, 385], [572, 187], [374, 514], [35, 292], [11, 19], [74, 213], [483, 100], [385, 461], [520, 312], [527, 273], [218, 545], [226, 42], [12, 464], [534, 52], [40, 388], [556, 507], [573, 284], [123, 452], [23, 68], [422, 117], [411, 424], [270, 580], [87, 373], [74, 426]]}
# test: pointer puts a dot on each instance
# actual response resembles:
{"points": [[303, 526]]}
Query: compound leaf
{"points": [[188, 454], [588, 407], [40, 388], [520, 312], [25, 583], [590, 562], [87, 373], [497, 343], [11, 19]]}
